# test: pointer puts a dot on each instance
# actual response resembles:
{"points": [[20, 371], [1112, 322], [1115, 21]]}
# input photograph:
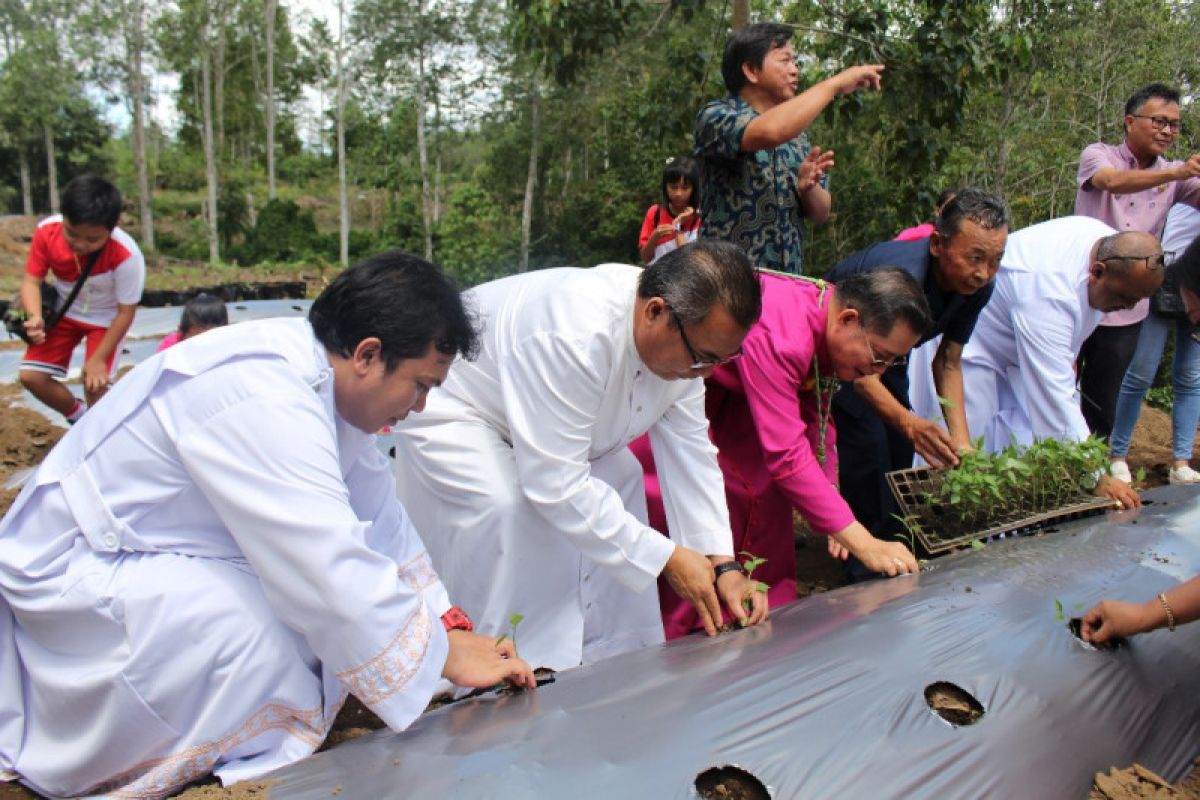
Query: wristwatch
{"points": [[457, 620], [728, 566]]}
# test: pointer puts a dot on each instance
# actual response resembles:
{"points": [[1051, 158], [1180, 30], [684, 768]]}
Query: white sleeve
{"points": [[552, 394], [693, 488], [1044, 331], [392, 533], [269, 467], [131, 279]]}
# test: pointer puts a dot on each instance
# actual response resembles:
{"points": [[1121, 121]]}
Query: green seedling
{"points": [[1058, 611], [513, 622], [977, 545], [988, 490]]}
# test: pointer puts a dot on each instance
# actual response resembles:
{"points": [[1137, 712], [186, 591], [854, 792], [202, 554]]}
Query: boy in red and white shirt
{"points": [[102, 312]]}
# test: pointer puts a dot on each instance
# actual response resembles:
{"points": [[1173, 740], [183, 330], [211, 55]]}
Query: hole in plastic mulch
{"points": [[953, 703], [730, 783], [1075, 625]]}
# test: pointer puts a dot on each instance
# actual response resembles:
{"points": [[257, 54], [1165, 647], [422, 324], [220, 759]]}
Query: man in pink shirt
{"points": [[770, 417], [1130, 186]]}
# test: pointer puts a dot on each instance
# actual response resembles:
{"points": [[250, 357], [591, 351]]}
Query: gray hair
{"points": [[697, 277], [983, 208], [884, 296]]}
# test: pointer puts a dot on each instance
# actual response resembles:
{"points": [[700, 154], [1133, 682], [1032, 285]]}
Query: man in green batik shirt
{"points": [[761, 175]]}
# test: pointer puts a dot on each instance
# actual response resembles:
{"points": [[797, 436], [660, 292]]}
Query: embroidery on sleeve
{"points": [[391, 670], [418, 574]]}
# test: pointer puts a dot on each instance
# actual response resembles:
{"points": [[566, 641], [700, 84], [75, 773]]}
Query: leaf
{"points": [[516, 619], [1058, 611], [977, 545]]}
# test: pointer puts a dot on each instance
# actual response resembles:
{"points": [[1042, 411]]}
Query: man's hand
{"points": [[812, 169], [1189, 168], [1118, 490], [930, 441], [865, 76], [95, 376], [35, 329], [734, 588], [478, 661], [837, 549], [691, 576], [889, 558]]}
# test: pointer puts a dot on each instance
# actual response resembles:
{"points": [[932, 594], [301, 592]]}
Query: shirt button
{"points": [[110, 540], [639, 408]]}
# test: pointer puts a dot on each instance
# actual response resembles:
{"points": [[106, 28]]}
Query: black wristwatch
{"points": [[728, 566]]}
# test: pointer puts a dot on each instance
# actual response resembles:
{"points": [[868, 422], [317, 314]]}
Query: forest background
{"points": [[498, 136]]}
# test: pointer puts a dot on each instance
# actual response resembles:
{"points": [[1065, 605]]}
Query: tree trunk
{"points": [[422, 147], [531, 177], [134, 44], [26, 181], [270, 103], [741, 14], [210, 156], [437, 156], [218, 79], [51, 168], [343, 196]]}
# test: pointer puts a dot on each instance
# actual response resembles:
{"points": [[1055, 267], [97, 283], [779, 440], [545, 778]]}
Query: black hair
{"points": [[884, 296], [202, 312], [1160, 90], [1187, 266], [404, 301], [983, 208], [687, 168], [699, 276], [91, 200], [944, 196], [750, 46]]}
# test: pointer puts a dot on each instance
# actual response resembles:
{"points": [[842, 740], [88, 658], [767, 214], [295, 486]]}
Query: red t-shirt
{"points": [[116, 279], [657, 215]]}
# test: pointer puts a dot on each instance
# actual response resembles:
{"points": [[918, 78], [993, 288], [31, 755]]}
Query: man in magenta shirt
{"points": [[770, 417], [1131, 187]]}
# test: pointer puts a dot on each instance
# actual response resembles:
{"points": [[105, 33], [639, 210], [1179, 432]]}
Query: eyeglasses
{"points": [[1174, 125], [876, 361], [1154, 262], [698, 362]]}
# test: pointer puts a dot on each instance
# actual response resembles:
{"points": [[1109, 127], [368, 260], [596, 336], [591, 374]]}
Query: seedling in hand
{"points": [[513, 622]]}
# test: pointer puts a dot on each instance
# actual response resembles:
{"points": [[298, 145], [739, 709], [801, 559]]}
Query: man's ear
{"points": [[1097, 270], [366, 354], [935, 244], [848, 316], [751, 72], [655, 307]]}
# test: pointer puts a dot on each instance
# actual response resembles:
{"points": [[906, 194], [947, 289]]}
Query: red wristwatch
{"points": [[457, 620]]}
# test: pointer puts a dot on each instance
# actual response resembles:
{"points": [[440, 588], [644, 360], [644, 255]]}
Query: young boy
{"points": [[103, 310]]}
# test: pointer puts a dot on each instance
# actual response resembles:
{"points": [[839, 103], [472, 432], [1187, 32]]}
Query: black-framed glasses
{"points": [[697, 361], [876, 361], [1154, 261], [1174, 125]]}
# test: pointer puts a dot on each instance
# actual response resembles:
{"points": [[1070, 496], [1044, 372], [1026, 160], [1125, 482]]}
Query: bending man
{"points": [[211, 559], [539, 504]]}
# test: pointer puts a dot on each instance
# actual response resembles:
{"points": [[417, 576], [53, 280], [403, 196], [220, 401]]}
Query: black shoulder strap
{"points": [[83, 276]]}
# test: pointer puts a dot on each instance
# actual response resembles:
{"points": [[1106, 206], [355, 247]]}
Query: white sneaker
{"points": [[1184, 474], [1120, 471]]}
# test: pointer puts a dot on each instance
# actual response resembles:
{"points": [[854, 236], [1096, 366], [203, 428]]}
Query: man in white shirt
{"points": [[539, 506], [210, 560], [1055, 281]]}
